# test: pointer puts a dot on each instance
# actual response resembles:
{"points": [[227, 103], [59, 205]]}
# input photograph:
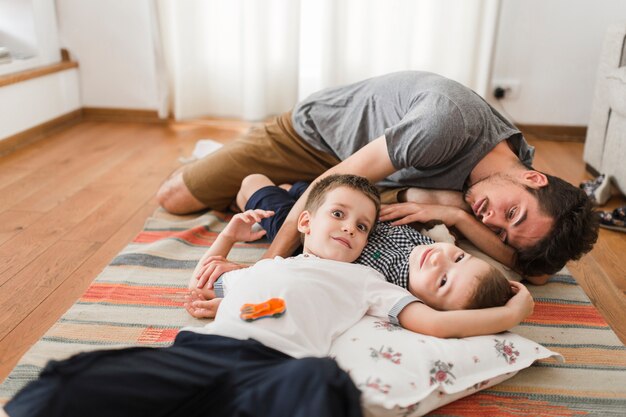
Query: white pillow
{"points": [[400, 371]]}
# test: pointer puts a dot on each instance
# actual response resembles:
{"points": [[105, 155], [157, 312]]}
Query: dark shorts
{"points": [[199, 375], [278, 200]]}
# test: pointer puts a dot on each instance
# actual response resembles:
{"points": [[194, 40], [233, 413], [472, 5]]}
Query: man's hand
{"points": [[239, 229], [538, 279], [198, 306], [210, 269], [521, 303], [410, 212]]}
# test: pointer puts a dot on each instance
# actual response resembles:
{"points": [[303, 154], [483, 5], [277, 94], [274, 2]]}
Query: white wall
{"points": [[29, 30], [38, 100], [552, 47], [113, 43]]}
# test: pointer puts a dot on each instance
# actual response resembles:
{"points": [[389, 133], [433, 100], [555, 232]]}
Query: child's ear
{"points": [[304, 220]]}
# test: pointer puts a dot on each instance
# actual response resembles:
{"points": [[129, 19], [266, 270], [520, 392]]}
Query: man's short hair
{"points": [[493, 290], [325, 185], [573, 234]]}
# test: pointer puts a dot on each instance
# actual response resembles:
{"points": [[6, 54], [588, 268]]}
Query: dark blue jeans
{"points": [[199, 375]]}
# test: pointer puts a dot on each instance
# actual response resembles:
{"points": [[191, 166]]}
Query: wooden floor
{"points": [[71, 202]]}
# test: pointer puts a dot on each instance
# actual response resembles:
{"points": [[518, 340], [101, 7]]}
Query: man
{"points": [[404, 131]]}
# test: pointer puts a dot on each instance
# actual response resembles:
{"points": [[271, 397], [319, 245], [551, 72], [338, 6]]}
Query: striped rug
{"points": [[136, 301]]}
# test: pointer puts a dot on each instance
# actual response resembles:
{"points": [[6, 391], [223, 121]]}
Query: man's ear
{"points": [[303, 222], [534, 179]]}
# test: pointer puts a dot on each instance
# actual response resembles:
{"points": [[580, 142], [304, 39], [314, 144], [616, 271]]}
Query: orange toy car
{"points": [[274, 307]]}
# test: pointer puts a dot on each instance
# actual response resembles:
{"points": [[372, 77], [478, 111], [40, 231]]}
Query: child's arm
{"points": [[422, 319], [239, 229], [202, 307]]}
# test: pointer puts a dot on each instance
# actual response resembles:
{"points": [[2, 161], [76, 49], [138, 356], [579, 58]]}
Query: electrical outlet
{"points": [[509, 88]]}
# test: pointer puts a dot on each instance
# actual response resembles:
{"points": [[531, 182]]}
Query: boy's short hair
{"points": [[493, 290], [325, 185]]}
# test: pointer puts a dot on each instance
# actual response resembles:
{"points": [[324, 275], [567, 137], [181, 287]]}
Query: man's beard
{"points": [[493, 178]]}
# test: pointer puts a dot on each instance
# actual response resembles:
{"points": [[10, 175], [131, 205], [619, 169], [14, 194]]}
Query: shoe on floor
{"points": [[598, 189], [615, 220]]}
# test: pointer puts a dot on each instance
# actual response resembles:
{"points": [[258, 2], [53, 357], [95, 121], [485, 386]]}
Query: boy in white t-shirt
{"points": [[269, 367]]}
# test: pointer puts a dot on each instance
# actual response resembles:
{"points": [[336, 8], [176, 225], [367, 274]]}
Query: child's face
{"points": [[339, 228], [443, 276]]}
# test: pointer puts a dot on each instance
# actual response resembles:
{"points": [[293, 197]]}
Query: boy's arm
{"points": [[239, 229], [216, 253], [422, 319]]}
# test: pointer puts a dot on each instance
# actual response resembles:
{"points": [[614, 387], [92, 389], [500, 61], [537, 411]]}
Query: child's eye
{"points": [[337, 213], [443, 281], [459, 258], [362, 227]]}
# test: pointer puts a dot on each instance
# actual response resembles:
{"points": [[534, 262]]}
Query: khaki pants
{"points": [[274, 150]]}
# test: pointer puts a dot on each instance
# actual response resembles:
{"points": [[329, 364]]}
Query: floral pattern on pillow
{"points": [[507, 351], [388, 354], [441, 373], [402, 373]]}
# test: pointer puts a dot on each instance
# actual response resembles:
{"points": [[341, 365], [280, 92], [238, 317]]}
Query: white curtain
{"points": [[253, 58]]}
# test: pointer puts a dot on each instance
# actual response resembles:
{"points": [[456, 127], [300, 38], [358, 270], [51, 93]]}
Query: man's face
{"points": [[443, 276], [339, 228], [504, 205]]}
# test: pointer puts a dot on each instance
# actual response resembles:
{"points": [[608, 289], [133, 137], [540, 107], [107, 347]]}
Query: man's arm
{"points": [[422, 319], [483, 237], [372, 162], [476, 232], [479, 234], [433, 196]]}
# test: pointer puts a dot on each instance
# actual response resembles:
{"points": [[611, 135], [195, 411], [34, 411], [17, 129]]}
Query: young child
{"points": [[224, 368], [394, 251]]}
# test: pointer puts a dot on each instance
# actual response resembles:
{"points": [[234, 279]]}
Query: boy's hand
{"points": [[413, 212], [239, 229], [210, 269], [199, 307], [522, 302]]}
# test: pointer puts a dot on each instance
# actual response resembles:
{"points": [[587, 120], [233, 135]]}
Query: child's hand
{"points": [[239, 229], [199, 307], [522, 302], [210, 269]]}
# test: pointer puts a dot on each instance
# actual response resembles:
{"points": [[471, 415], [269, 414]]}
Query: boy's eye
{"points": [[337, 213], [362, 227], [443, 281], [459, 258]]}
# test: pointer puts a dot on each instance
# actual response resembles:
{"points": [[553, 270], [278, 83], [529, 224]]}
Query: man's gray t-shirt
{"points": [[436, 129]]}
